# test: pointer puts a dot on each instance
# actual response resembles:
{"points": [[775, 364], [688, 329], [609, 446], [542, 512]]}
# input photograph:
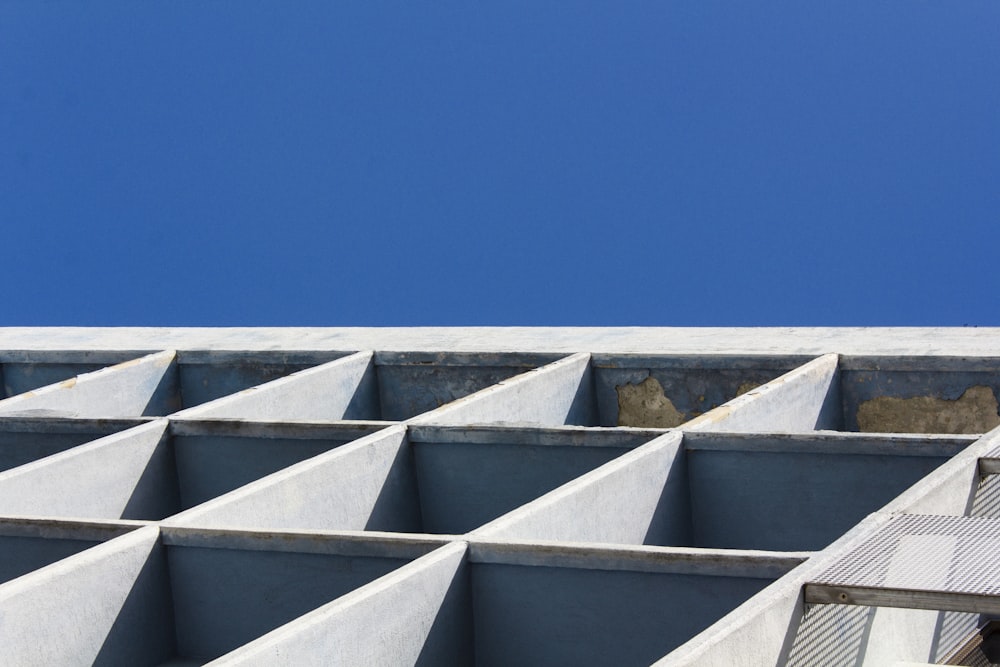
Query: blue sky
{"points": [[391, 163]]}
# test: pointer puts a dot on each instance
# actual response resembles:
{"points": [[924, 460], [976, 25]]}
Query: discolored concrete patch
{"points": [[645, 405], [975, 411]]}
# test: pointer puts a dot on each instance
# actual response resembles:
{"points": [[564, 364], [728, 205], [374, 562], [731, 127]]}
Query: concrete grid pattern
{"points": [[491, 496]]}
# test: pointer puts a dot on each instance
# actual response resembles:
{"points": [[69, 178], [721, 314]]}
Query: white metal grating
{"points": [[919, 561]]}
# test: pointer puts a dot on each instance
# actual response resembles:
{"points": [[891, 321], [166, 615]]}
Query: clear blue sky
{"points": [[595, 163]]}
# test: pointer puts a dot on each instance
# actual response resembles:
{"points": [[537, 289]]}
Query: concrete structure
{"points": [[499, 496]]}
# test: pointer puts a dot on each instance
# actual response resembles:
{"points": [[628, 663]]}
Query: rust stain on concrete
{"points": [[68, 384], [975, 411], [745, 387], [645, 405]]}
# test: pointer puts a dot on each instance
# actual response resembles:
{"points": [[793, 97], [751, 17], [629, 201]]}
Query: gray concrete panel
{"points": [[391, 387], [762, 631], [557, 616], [796, 499]]}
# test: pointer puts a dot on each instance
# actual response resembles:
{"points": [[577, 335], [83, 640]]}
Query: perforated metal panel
{"points": [[919, 561]]}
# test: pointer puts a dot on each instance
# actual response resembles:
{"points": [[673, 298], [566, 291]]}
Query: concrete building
{"points": [[499, 496]]}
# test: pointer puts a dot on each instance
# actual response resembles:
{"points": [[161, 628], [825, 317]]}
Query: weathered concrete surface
{"points": [[410, 384], [806, 398], [559, 393], [643, 390], [975, 411], [644, 405]]}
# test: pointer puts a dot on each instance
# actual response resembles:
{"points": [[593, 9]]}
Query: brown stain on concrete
{"points": [[644, 405], [68, 384], [745, 387], [975, 411]]}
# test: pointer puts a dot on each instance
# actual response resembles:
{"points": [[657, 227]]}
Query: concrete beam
{"points": [[86, 605], [121, 476], [764, 630], [27, 439], [419, 614], [555, 394], [341, 389], [638, 495], [26, 371], [784, 341], [349, 488], [145, 386], [804, 399], [28, 545]]}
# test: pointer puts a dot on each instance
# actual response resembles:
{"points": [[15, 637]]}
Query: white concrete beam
{"points": [[322, 393], [556, 394], [801, 400], [144, 386]]}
